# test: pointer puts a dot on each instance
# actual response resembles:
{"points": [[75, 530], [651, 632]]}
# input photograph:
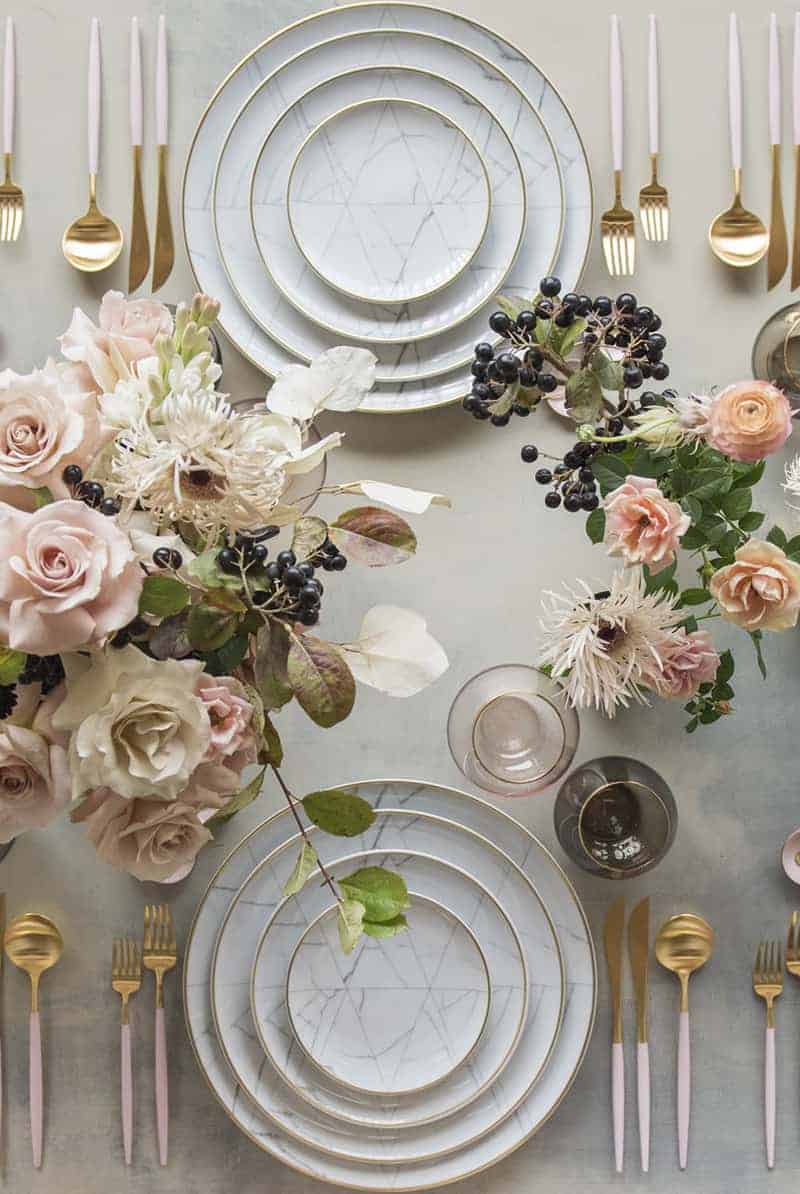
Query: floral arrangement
{"points": [[150, 627], [658, 476]]}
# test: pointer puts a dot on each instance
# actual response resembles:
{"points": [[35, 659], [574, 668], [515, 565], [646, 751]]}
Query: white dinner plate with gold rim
{"points": [[492, 826], [262, 895], [503, 950], [246, 246], [270, 213], [387, 201], [342, 23]]}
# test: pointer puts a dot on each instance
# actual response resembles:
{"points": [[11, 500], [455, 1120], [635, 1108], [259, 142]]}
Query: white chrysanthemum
{"points": [[791, 483], [606, 648]]}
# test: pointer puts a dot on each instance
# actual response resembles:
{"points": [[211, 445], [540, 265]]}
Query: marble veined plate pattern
{"points": [[508, 976], [398, 1015], [388, 201], [485, 826], [270, 215], [439, 33]]}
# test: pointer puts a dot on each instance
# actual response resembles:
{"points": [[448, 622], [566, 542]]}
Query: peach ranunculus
{"points": [[687, 661], [45, 424], [642, 525], [68, 578], [760, 590], [749, 420], [233, 738], [34, 775], [127, 332]]}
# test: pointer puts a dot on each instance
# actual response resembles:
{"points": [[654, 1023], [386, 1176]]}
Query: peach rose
{"points": [[687, 661], [760, 590], [233, 738], [749, 420], [127, 333], [45, 424], [642, 525], [34, 776], [68, 578]]}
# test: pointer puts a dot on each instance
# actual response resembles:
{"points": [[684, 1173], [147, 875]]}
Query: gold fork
{"points": [[126, 978], [653, 198], [11, 196], [616, 224], [160, 955], [768, 984]]}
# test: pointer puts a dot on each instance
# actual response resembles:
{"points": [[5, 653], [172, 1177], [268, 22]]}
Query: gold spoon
{"points": [[737, 236], [34, 944], [94, 241], [684, 944]]}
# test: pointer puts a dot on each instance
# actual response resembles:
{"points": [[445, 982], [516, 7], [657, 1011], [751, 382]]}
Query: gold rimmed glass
{"points": [[776, 352]]}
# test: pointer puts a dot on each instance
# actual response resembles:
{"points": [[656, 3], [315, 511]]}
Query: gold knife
{"points": [[639, 953], [777, 253], [164, 257], [139, 262], [613, 932], [796, 131]]}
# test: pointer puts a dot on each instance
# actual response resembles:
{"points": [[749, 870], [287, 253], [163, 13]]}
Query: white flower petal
{"points": [[399, 497], [308, 459], [394, 652], [338, 379]]}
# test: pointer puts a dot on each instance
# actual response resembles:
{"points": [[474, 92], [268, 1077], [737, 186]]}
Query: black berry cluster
{"points": [[571, 481], [8, 699], [46, 670], [90, 492]]}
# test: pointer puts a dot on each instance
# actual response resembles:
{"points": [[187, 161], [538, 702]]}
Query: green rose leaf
{"points": [[584, 396], [350, 922], [373, 536], [303, 868], [163, 596], [389, 928], [273, 747], [11, 664], [320, 679], [648, 464], [596, 525], [205, 569], [693, 539], [239, 801], [607, 372], [210, 628], [338, 812], [223, 661], [736, 504], [309, 535], [695, 596], [748, 474], [777, 537], [726, 668], [610, 471], [42, 497], [382, 892], [272, 650]]}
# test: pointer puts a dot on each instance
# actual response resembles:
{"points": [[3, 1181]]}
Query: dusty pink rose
{"points": [[760, 590], [688, 660], [34, 776], [127, 332], [642, 525], [233, 738], [69, 577], [749, 420]]}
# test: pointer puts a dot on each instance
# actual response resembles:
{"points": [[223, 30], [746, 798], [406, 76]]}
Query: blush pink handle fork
{"points": [[684, 1089], [618, 1102], [162, 1087], [126, 1072], [35, 1086]]}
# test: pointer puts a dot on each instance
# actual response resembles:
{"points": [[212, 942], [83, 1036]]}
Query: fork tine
{"points": [[148, 932], [757, 963]]}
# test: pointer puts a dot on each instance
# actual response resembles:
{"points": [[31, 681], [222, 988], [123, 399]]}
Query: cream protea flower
{"points": [[606, 647]]}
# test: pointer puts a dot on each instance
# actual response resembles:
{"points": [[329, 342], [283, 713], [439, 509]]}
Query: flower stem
{"points": [[292, 803]]}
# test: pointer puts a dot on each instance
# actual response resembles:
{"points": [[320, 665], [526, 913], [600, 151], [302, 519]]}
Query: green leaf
{"points": [[389, 928], [751, 522], [610, 471], [511, 306], [693, 539], [584, 396], [42, 497], [748, 474], [273, 747], [777, 537], [350, 922], [309, 535], [793, 546], [223, 661], [692, 726], [210, 628], [338, 812], [695, 596], [655, 581], [373, 536], [382, 892], [205, 569], [648, 464], [11, 664], [563, 339], [756, 636], [320, 679], [303, 868], [596, 525], [723, 692], [163, 596], [239, 801], [727, 666], [608, 372], [693, 508], [272, 649], [709, 716], [170, 640], [503, 404], [728, 543], [736, 504]]}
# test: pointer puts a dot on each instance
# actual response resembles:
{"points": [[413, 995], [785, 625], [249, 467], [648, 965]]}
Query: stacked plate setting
{"points": [[417, 1060], [374, 174]]}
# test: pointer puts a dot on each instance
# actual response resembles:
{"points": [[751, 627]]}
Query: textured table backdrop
{"points": [[477, 577]]}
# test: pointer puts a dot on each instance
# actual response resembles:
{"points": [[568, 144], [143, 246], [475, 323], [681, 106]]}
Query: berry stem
{"points": [[292, 803]]}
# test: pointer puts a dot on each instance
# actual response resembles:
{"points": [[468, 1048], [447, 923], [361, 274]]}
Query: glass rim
{"points": [[610, 783]]}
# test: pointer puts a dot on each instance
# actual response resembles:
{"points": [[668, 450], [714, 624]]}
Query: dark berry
{"points": [[500, 323], [228, 560], [544, 308], [501, 420], [660, 371], [572, 459], [527, 378], [570, 300], [484, 351], [572, 502], [8, 699], [534, 358], [530, 453], [109, 507], [552, 499], [339, 563], [309, 617], [646, 369], [656, 340], [306, 569], [615, 426], [603, 305], [648, 399], [654, 355], [261, 597], [308, 596], [168, 557], [589, 338], [72, 474], [468, 403], [90, 492], [590, 501], [549, 286], [259, 552], [544, 476], [632, 376], [547, 383], [623, 338], [586, 476], [565, 317], [626, 302], [642, 316], [519, 408], [135, 629], [482, 392], [121, 639], [286, 558], [479, 370], [655, 323], [293, 577], [481, 413], [273, 570], [508, 365], [584, 305], [526, 321]]}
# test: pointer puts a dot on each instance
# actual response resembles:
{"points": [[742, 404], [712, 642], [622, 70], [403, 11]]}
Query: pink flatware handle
{"points": [[162, 84], [769, 1096], [684, 1088], [618, 1102], [643, 1099], [9, 71], [93, 114], [135, 84], [126, 1073], [162, 1087], [35, 1086]]}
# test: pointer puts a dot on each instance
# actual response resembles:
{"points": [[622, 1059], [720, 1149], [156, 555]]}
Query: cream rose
{"points": [[34, 776], [642, 525], [230, 713], [69, 578], [127, 332], [137, 724], [749, 420], [760, 590], [687, 661]]}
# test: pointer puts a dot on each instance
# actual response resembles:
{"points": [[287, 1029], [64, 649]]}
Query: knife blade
{"points": [[613, 934], [139, 262], [639, 953], [778, 252], [164, 257]]}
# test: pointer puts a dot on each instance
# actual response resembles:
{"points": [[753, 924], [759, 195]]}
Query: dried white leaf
{"points": [[394, 652], [338, 379], [399, 497]]}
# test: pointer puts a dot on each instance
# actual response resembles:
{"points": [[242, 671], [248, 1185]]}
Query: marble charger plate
{"points": [[435, 29], [500, 833]]}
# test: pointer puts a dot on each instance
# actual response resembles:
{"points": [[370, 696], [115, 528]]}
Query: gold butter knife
{"points": [[164, 257], [639, 953], [796, 131], [613, 932], [139, 262], [778, 252]]}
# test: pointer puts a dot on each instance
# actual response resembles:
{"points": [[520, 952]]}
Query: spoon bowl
{"points": [[738, 237], [34, 944], [94, 241]]}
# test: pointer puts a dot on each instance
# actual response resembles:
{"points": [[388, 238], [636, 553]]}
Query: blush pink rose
{"points": [[642, 525], [126, 332], [760, 590], [749, 420], [233, 738], [34, 774], [69, 578], [687, 660]]}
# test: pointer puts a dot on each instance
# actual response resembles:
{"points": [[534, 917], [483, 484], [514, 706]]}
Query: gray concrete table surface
{"points": [[477, 578]]}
